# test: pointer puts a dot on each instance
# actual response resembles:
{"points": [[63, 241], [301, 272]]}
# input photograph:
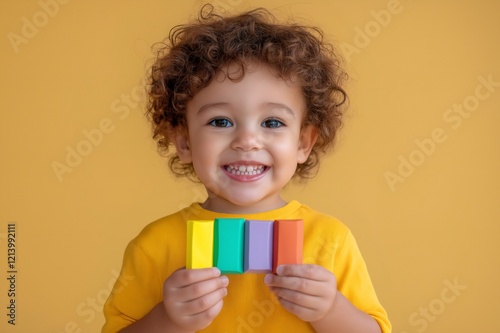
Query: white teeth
{"points": [[245, 170]]}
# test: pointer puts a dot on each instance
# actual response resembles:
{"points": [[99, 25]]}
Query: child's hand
{"points": [[308, 291], [193, 298]]}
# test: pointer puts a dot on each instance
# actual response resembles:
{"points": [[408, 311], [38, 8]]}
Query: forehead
{"points": [[254, 83], [236, 72]]}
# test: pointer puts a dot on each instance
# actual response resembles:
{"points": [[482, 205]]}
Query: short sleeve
{"points": [[135, 293], [354, 282]]}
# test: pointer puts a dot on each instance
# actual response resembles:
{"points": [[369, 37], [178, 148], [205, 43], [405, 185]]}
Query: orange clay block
{"points": [[200, 244], [287, 242]]}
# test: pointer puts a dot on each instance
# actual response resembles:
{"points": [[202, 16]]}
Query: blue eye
{"points": [[272, 123], [220, 122]]}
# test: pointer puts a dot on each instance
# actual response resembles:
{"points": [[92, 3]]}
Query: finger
{"points": [[300, 311], [199, 289], [203, 319], [308, 271], [184, 277], [297, 298], [310, 287], [204, 303]]}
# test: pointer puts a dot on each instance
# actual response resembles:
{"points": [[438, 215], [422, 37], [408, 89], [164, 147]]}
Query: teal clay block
{"points": [[229, 245]]}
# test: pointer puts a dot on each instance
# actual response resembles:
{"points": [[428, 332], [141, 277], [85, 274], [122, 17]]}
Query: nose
{"points": [[246, 138]]}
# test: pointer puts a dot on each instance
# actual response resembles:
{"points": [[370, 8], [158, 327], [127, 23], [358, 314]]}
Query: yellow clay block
{"points": [[200, 244]]}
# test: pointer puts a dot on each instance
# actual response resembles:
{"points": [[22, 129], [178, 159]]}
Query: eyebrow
{"points": [[212, 105], [269, 105], [281, 106]]}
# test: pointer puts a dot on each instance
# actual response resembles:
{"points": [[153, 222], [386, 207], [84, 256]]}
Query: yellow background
{"points": [[81, 69]]}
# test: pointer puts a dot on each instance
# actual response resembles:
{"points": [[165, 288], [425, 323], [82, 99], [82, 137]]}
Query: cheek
{"points": [[284, 145], [205, 149]]}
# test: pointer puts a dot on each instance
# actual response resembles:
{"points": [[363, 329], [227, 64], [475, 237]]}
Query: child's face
{"points": [[245, 139]]}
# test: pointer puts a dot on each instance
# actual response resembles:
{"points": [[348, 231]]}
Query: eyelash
{"points": [[277, 123], [224, 122], [216, 121]]}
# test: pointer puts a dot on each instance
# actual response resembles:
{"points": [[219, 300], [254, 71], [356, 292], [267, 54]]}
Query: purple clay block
{"points": [[258, 246]]}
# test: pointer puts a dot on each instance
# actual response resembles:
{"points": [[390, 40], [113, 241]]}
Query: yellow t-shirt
{"points": [[249, 306]]}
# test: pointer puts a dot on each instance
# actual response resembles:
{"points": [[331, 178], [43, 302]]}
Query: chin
{"points": [[245, 203]]}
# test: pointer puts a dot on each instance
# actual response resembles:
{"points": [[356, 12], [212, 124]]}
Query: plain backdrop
{"points": [[414, 175]]}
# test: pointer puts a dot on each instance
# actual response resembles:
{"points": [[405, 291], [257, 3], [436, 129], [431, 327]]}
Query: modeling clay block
{"points": [[229, 237], [200, 241], [287, 242], [258, 246]]}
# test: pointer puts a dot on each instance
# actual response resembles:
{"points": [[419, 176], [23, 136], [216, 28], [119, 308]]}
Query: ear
{"points": [[308, 137], [181, 142]]}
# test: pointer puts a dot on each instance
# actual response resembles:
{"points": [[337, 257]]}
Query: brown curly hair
{"points": [[196, 52]]}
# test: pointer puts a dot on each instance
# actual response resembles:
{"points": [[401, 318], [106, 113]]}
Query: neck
{"points": [[224, 206]]}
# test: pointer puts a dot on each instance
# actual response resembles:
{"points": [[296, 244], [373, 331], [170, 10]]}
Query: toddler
{"points": [[248, 103]]}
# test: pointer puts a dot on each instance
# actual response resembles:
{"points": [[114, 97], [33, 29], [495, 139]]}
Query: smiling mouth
{"points": [[245, 170]]}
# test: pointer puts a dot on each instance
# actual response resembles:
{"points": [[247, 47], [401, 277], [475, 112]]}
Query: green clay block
{"points": [[229, 245]]}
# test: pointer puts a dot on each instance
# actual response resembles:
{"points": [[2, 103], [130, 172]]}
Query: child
{"points": [[248, 104]]}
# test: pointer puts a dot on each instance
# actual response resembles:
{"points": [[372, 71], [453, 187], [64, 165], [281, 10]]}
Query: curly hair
{"points": [[194, 53]]}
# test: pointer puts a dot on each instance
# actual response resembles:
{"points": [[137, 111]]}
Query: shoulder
{"points": [[322, 222], [165, 223], [172, 222], [165, 231], [326, 238]]}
